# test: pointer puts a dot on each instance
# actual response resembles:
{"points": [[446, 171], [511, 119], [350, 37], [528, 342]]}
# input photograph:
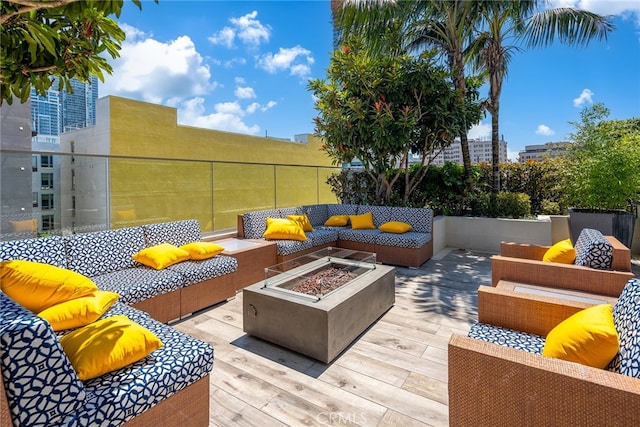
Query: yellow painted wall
{"points": [[180, 172]]}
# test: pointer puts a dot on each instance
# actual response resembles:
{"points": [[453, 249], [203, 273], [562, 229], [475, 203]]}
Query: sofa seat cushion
{"points": [[322, 236], [362, 236], [50, 250], [507, 337], [255, 223], [139, 283], [93, 254], [593, 250], [41, 385], [198, 271], [118, 396], [177, 233], [626, 317], [410, 239], [289, 247]]}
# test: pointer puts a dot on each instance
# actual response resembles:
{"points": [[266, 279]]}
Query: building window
{"points": [[47, 222], [47, 201], [46, 181], [34, 197], [34, 163], [46, 161]]}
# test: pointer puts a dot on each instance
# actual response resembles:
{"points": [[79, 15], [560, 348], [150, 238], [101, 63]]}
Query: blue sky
{"points": [[243, 67]]}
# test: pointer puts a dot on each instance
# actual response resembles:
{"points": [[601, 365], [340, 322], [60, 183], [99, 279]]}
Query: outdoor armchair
{"points": [[493, 384], [522, 263]]}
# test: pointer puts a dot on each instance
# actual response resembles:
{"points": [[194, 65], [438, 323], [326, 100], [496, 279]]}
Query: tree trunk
{"points": [[495, 147]]}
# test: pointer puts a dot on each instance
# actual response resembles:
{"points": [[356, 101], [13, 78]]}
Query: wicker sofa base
{"points": [[188, 407]]}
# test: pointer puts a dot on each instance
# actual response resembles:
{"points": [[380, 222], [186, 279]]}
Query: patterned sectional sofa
{"points": [[168, 387], [410, 249]]}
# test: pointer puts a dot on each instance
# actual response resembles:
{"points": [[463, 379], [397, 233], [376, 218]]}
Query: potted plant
{"points": [[603, 174]]}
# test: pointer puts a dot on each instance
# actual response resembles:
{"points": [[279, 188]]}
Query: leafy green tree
{"points": [[447, 25], [603, 171], [40, 40], [382, 108]]}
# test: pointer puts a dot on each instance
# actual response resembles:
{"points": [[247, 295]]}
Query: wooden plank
{"points": [[227, 410], [427, 387]]}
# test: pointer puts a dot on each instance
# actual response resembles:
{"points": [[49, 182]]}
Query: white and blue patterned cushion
{"points": [[49, 250], [317, 214], [593, 250], [381, 214], [41, 385], [284, 212], [101, 252], [507, 337], [421, 219], [341, 209], [410, 239], [198, 271], [288, 247], [177, 233], [322, 236], [362, 236], [626, 316], [255, 223], [139, 283], [118, 396]]}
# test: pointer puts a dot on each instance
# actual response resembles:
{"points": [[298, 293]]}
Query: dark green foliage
{"points": [[512, 205]]}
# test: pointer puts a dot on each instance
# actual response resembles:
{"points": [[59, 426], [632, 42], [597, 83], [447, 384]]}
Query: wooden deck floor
{"points": [[394, 374]]}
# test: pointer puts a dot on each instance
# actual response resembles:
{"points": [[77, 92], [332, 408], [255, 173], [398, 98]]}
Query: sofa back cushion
{"points": [[593, 250], [255, 223], [317, 214], [626, 316], [341, 209], [49, 250], [103, 252], [381, 214], [420, 219], [177, 233], [41, 385]]}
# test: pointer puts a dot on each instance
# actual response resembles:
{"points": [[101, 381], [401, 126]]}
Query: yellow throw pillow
{"points": [[362, 222], [303, 220], [202, 250], [562, 252], [337, 221], [161, 256], [396, 227], [37, 286], [284, 229], [79, 311], [28, 225], [588, 337], [107, 345]]}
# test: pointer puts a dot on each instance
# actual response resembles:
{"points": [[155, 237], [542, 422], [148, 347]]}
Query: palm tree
{"points": [[519, 21], [447, 25]]}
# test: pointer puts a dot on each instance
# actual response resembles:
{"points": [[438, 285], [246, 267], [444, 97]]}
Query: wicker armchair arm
{"points": [[535, 314], [555, 275], [492, 385], [522, 250]]}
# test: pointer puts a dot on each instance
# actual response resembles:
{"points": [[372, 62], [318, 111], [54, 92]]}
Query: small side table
{"points": [[253, 255]]}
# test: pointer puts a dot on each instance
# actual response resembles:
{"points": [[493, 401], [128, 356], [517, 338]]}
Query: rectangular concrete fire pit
{"points": [[318, 304]]}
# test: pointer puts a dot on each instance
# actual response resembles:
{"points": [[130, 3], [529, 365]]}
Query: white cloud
{"points": [[227, 116], [245, 92], [255, 106], [247, 29], [585, 97], [296, 59], [158, 72], [544, 130], [224, 37], [479, 131], [602, 7]]}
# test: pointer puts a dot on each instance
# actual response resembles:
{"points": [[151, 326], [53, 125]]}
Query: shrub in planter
{"points": [[603, 171], [513, 205]]}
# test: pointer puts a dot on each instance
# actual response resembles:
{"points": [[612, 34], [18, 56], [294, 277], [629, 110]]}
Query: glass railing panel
{"points": [[147, 191], [240, 188]]}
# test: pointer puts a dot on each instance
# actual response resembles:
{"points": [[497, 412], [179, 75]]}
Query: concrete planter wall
{"points": [[618, 223], [485, 234]]}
